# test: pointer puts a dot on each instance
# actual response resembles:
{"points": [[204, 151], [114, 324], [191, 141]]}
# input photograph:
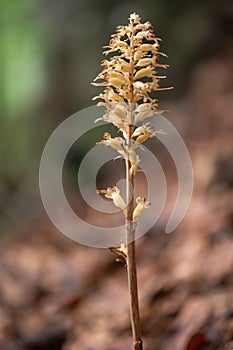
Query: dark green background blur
{"points": [[51, 50]]}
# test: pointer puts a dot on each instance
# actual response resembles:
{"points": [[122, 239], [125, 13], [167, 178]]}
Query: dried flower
{"points": [[114, 142], [127, 152], [115, 114], [134, 160], [120, 251], [136, 57], [114, 194], [142, 203], [129, 77], [142, 133]]}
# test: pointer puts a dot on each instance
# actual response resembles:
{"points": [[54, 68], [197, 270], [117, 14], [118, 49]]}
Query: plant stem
{"points": [[131, 258], [129, 224]]}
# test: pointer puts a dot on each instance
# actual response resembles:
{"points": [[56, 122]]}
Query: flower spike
{"points": [[136, 52]]}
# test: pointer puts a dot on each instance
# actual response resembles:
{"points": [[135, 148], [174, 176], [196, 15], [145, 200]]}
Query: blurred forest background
{"points": [[50, 51]]}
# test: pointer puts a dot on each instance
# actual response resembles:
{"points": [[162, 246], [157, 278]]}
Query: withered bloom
{"points": [[142, 203], [114, 194], [130, 76]]}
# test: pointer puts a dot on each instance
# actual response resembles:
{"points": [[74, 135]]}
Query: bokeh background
{"points": [[56, 294]]}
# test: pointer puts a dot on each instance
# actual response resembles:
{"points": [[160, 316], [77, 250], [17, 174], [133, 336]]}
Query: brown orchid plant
{"points": [[129, 77]]}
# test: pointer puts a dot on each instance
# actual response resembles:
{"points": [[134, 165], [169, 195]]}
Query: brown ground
{"points": [[55, 294]]}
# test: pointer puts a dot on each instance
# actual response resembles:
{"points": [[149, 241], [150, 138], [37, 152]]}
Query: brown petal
{"points": [[144, 72]]}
